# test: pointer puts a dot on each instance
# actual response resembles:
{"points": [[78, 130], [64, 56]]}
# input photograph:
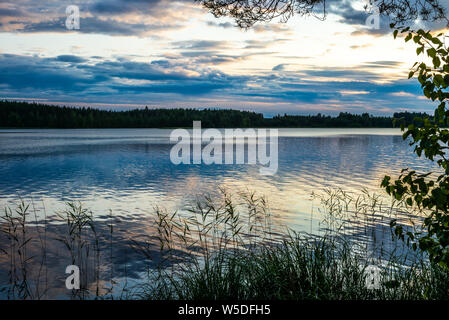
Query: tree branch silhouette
{"points": [[248, 12]]}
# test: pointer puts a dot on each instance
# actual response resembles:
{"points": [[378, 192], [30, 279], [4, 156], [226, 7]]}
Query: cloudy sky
{"points": [[165, 53]]}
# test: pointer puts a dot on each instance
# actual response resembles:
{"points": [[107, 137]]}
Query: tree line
{"points": [[33, 115]]}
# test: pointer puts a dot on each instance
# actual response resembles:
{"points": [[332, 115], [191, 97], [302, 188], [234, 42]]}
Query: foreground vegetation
{"points": [[300, 269], [226, 246], [301, 266], [427, 190], [32, 115]]}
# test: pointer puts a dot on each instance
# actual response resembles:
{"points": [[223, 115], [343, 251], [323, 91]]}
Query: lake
{"points": [[128, 172]]}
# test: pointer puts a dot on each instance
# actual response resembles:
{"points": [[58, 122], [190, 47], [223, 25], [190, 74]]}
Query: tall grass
{"points": [[230, 246], [17, 252], [27, 249], [79, 220], [300, 269], [296, 266]]}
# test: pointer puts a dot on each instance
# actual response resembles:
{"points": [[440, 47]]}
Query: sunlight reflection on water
{"points": [[129, 170]]}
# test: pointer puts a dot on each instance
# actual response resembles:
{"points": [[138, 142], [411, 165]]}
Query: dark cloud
{"points": [[346, 11], [201, 45], [358, 18], [104, 17], [382, 64], [19, 72], [225, 25], [262, 44], [70, 58], [97, 26], [189, 88], [83, 76], [12, 12], [279, 67], [117, 7], [211, 55], [166, 81], [290, 95], [211, 58]]}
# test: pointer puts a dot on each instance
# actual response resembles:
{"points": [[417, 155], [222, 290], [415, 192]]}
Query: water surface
{"points": [[128, 172]]}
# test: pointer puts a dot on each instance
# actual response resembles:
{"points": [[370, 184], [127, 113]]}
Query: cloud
{"points": [[201, 45], [353, 92], [98, 26], [355, 47], [202, 72], [144, 17], [403, 94], [114, 17], [225, 25], [70, 58], [279, 67], [52, 76], [12, 12], [382, 64], [262, 44], [354, 13], [168, 82], [212, 58]]}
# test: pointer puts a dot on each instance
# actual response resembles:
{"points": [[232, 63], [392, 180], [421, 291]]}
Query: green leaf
{"points": [[436, 62], [395, 33]]}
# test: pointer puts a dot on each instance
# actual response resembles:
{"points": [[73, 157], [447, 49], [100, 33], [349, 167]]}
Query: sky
{"points": [[166, 53]]}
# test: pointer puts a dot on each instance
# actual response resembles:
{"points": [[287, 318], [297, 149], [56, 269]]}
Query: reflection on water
{"points": [[129, 172]]}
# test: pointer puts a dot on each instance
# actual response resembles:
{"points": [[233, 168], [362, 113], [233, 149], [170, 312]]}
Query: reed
{"points": [[229, 245]]}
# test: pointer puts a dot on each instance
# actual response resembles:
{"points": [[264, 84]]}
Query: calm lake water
{"points": [[129, 172]]}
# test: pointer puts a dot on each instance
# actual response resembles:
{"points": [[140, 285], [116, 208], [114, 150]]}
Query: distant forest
{"points": [[33, 115]]}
